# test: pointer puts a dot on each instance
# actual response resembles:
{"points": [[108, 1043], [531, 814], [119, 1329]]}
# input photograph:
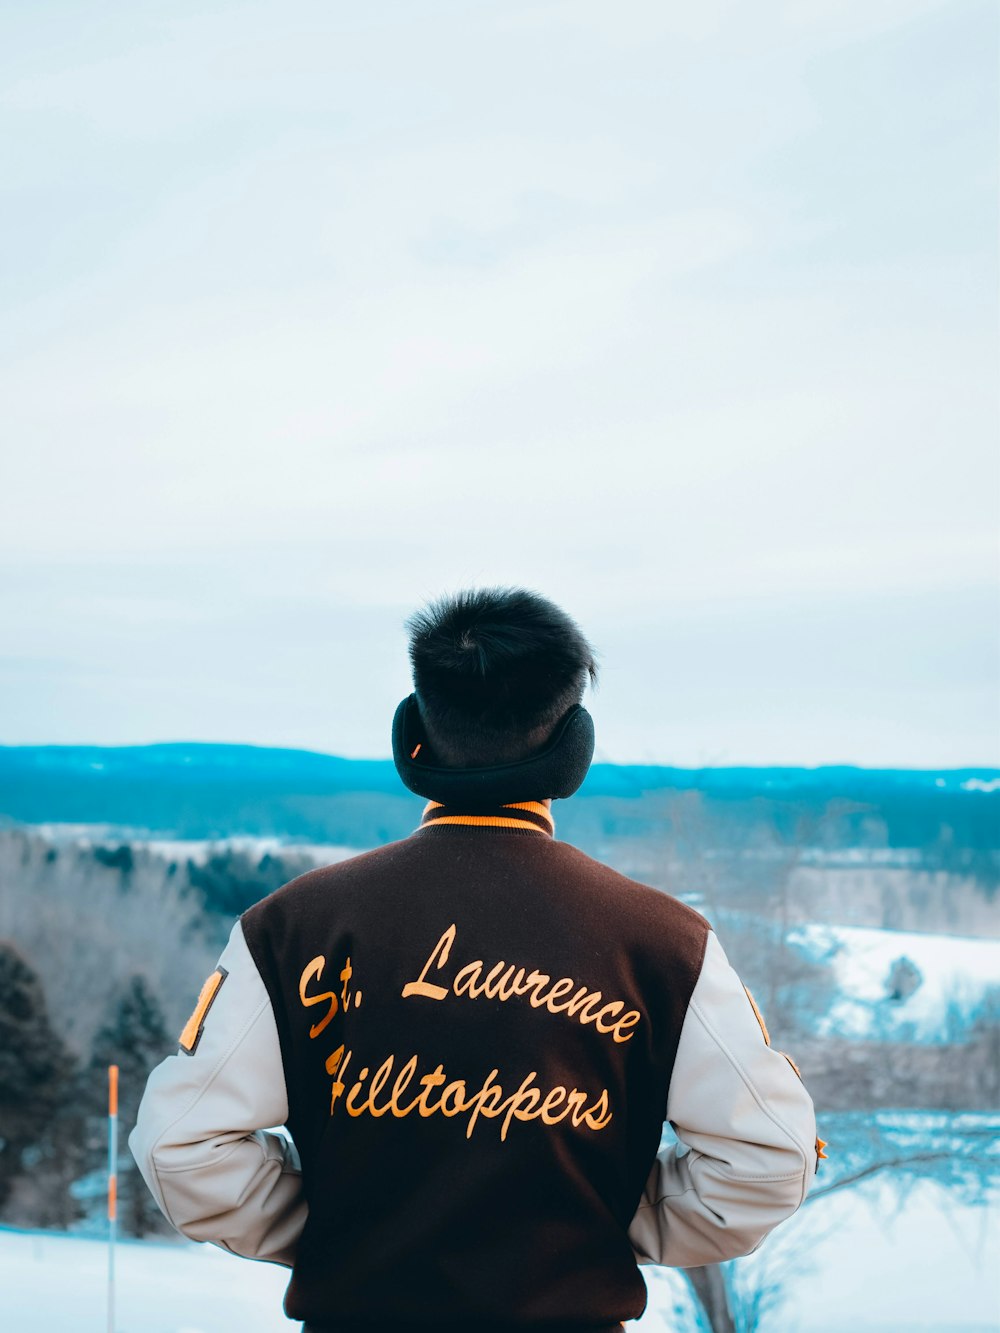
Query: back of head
{"points": [[494, 670]]}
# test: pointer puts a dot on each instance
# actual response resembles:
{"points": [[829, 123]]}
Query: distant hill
{"points": [[193, 790]]}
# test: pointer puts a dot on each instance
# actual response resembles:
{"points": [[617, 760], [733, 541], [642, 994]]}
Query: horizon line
{"points": [[993, 768]]}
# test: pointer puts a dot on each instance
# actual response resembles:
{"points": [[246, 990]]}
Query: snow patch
{"points": [[54, 1284], [953, 974]]}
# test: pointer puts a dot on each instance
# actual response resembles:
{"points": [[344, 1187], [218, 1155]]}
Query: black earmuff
{"points": [[554, 772]]}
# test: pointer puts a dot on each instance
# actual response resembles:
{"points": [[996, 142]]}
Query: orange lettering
{"points": [[332, 1068], [628, 1020], [477, 1103], [377, 1084], [505, 980], [592, 1115], [466, 978], [531, 1099], [537, 981], [560, 987], [315, 969], [494, 980], [422, 987], [576, 1100], [403, 1080], [351, 1108], [552, 1100], [527, 1102], [512, 980], [586, 1009], [455, 1090], [428, 1081], [579, 1000], [615, 1007], [514, 1100]]}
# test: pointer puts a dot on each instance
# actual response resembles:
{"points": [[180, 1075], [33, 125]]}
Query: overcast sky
{"points": [[683, 314]]}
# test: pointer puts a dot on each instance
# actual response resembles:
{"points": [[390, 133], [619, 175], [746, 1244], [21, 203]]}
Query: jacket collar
{"points": [[533, 816]]}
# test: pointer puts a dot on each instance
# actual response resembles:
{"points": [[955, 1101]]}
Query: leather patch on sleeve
{"points": [[195, 1025], [767, 1035]]}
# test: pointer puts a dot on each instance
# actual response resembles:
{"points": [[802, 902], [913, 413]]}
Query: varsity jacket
{"points": [[475, 1037]]}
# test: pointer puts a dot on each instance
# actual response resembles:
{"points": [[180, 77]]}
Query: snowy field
{"points": [[866, 1261], [955, 973]]}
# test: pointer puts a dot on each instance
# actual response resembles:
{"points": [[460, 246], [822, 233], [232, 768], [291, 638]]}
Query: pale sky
{"points": [[684, 314]]}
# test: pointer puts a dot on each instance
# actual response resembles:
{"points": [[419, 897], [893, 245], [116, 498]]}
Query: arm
{"points": [[747, 1132], [199, 1140]]}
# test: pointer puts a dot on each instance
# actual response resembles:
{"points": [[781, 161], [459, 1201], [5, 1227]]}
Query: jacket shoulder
{"points": [[652, 908], [303, 893]]}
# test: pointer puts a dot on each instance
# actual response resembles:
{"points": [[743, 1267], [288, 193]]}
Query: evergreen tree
{"points": [[135, 1038], [36, 1071]]}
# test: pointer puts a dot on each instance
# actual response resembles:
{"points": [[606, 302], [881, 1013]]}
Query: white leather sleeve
{"points": [[200, 1139], [746, 1130]]}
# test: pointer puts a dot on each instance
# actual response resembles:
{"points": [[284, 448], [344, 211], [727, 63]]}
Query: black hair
{"points": [[494, 669]]}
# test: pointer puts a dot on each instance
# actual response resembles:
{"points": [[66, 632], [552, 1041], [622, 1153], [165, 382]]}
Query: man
{"points": [[474, 1036]]}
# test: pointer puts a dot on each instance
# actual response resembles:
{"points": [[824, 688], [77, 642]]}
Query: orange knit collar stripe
{"points": [[531, 815]]}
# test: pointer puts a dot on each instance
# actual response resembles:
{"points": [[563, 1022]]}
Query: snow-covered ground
{"points": [[868, 1260], [874, 1259], [58, 1284], [954, 974]]}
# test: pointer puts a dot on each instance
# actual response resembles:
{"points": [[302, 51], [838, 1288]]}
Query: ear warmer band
{"points": [[555, 771]]}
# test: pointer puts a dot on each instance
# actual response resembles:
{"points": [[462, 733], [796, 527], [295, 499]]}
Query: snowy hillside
{"points": [[898, 985]]}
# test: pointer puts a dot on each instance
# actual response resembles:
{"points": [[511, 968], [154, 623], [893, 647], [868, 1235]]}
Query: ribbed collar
{"points": [[533, 816]]}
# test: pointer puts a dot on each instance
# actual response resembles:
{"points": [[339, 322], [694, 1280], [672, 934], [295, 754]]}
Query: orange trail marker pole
{"points": [[112, 1188]]}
